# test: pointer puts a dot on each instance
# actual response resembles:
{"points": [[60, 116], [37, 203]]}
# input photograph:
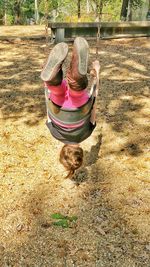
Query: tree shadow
{"points": [[101, 231], [132, 149], [90, 158], [124, 90], [120, 118], [22, 91]]}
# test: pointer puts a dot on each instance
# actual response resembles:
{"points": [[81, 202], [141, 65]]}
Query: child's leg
{"points": [[52, 71], [78, 98], [77, 73], [52, 74], [57, 93]]}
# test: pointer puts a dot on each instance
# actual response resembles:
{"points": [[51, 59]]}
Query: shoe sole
{"points": [[82, 49], [56, 58]]}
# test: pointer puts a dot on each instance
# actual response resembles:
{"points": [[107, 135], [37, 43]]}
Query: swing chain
{"points": [[98, 37], [98, 32], [46, 33]]}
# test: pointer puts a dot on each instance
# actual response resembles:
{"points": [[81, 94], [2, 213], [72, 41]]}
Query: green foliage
{"points": [[63, 221], [113, 9], [28, 8], [58, 216], [136, 3], [10, 19], [64, 10], [49, 5]]}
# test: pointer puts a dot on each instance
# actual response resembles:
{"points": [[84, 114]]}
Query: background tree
{"points": [[17, 11], [87, 6], [127, 7], [124, 9], [148, 12], [105, 6], [36, 11], [79, 9], [21, 11], [5, 12]]}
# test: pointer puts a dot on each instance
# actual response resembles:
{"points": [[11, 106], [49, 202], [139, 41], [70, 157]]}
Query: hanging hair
{"points": [[71, 157]]}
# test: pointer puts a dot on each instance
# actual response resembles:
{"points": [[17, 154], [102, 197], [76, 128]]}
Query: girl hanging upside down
{"points": [[71, 109]]}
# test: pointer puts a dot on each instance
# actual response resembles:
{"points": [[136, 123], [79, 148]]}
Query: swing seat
{"points": [[69, 116]]}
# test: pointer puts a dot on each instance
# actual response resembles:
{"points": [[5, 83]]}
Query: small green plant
{"points": [[63, 221], [9, 20]]}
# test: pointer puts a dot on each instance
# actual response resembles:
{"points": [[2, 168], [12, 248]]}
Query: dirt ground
{"points": [[22, 31], [110, 194]]}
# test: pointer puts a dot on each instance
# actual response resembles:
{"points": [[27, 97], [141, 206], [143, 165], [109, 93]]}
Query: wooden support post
{"points": [[59, 35]]}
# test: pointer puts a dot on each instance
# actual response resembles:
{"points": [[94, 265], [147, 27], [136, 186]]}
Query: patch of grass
{"points": [[63, 221]]}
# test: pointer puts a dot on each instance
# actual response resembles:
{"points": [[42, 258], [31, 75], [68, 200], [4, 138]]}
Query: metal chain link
{"points": [[98, 33], [98, 38]]}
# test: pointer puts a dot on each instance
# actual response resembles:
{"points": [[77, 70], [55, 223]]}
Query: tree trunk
{"points": [[5, 18], [17, 11], [129, 11], [79, 9], [5, 13], [87, 7], [99, 9], [124, 10], [36, 11], [148, 12]]}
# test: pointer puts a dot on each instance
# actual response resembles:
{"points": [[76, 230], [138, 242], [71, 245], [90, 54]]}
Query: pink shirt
{"points": [[67, 98]]}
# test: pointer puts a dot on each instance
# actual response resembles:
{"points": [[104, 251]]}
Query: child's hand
{"points": [[95, 73], [95, 69]]}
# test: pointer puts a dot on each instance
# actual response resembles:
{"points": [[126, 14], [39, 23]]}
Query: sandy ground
{"points": [[21, 30], [110, 194]]}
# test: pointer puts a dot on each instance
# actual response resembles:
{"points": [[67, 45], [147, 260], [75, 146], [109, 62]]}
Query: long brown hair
{"points": [[71, 157]]}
